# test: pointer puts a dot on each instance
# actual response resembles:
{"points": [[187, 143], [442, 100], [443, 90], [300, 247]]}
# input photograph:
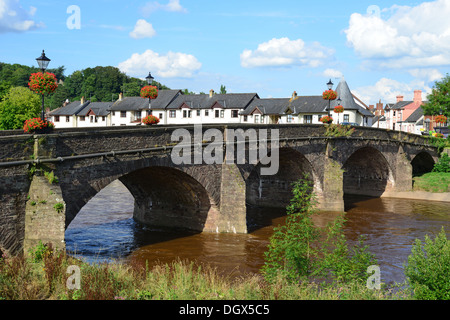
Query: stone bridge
{"points": [[46, 179]]}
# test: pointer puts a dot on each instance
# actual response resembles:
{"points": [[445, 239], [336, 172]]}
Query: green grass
{"points": [[436, 182], [45, 279]]}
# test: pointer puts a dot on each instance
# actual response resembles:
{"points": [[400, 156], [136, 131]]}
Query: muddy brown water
{"points": [[104, 230]]}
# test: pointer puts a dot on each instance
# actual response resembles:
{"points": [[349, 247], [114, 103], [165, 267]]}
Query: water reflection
{"points": [[105, 230]]}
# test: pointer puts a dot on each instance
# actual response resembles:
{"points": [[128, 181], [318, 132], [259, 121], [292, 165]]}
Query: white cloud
{"points": [[172, 6], [285, 52], [387, 91], [411, 37], [171, 65], [428, 75], [142, 29], [13, 18], [332, 73]]}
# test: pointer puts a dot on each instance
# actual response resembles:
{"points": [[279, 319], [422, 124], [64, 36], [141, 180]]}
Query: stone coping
{"points": [[418, 195]]}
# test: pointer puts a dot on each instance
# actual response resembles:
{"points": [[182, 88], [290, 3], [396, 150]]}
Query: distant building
{"points": [[401, 110]]}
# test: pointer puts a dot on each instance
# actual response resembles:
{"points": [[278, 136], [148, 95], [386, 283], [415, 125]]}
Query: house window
{"points": [[198, 113], [138, 115], [206, 113], [262, 119], [256, 118], [289, 118], [172, 114], [217, 113], [245, 118], [123, 114], [160, 116], [307, 119], [346, 118], [56, 118], [103, 119], [67, 119], [222, 113], [187, 113], [234, 113], [113, 113], [82, 118]]}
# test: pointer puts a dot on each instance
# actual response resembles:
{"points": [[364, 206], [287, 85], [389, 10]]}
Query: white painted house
{"points": [[174, 107]]}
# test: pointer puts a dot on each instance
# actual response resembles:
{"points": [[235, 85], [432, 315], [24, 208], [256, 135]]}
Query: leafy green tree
{"points": [[18, 105], [223, 89], [439, 99]]}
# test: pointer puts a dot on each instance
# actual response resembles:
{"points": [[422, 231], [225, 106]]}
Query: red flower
{"points": [[326, 119], [150, 119], [36, 123], [329, 95], [441, 119], [43, 83], [338, 109], [149, 92]]}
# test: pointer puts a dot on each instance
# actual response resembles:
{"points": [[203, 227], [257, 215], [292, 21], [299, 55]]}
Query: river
{"points": [[104, 230]]}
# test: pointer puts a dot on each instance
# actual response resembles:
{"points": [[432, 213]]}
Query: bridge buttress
{"points": [[403, 172], [332, 196], [233, 210], [44, 214]]}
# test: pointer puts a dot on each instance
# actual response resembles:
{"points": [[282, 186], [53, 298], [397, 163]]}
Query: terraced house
{"points": [[174, 107]]}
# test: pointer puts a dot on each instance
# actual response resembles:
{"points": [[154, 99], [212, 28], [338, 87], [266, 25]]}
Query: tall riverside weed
{"points": [[428, 268], [300, 251]]}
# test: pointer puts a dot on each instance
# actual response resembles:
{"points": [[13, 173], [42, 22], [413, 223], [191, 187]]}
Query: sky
{"points": [[381, 48]]}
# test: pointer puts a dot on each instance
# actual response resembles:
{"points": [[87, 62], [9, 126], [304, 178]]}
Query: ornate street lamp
{"points": [[330, 87], [43, 62], [149, 81]]}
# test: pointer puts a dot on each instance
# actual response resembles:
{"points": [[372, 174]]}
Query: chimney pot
{"points": [[399, 98], [82, 100], [120, 96], [211, 93]]}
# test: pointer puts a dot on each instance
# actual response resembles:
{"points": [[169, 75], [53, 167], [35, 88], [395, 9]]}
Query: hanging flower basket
{"points": [[326, 119], [43, 83], [338, 109], [149, 92], [36, 125], [441, 119], [149, 120], [329, 95]]}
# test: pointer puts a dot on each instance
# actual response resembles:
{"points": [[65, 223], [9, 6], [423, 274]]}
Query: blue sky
{"points": [[382, 48]]}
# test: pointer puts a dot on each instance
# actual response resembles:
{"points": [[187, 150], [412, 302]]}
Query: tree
{"points": [[18, 105], [439, 99], [223, 89]]}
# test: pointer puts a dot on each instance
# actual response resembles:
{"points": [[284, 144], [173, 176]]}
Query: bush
{"points": [[428, 268], [443, 165]]}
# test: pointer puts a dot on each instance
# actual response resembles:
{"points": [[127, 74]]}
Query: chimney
{"points": [[399, 98], [211, 93], [82, 101], [294, 95], [418, 96], [120, 96]]}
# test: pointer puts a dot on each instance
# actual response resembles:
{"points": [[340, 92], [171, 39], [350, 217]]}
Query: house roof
{"points": [[347, 99], [76, 108], [267, 106], [72, 108], [205, 101], [400, 105], [415, 116], [165, 97]]}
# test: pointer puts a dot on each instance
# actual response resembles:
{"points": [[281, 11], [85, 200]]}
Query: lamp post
{"points": [[149, 81], [330, 86], [339, 103], [43, 62]]}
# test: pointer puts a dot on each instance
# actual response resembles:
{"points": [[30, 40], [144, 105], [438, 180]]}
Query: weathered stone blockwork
{"points": [[202, 197]]}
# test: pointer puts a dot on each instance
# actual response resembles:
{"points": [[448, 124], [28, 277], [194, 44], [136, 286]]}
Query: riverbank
{"points": [[418, 195]]}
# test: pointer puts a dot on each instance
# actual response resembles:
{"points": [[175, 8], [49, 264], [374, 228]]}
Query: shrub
{"points": [[443, 165], [428, 268]]}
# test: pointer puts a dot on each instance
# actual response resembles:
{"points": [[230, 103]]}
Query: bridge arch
{"points": [[422, 163], [367, 172]]}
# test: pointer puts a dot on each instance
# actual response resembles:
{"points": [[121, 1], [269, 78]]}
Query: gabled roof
{"points": [[267, 106], [400, 105], [165, 97], [415, 116], [70, 110], [205, 101], [98, 108]]}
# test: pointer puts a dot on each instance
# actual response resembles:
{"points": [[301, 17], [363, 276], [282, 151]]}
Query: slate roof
{"points": [[76, 108], [415, 116], [401, 104], [165, 97], [204, 101], [347, 100]]}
